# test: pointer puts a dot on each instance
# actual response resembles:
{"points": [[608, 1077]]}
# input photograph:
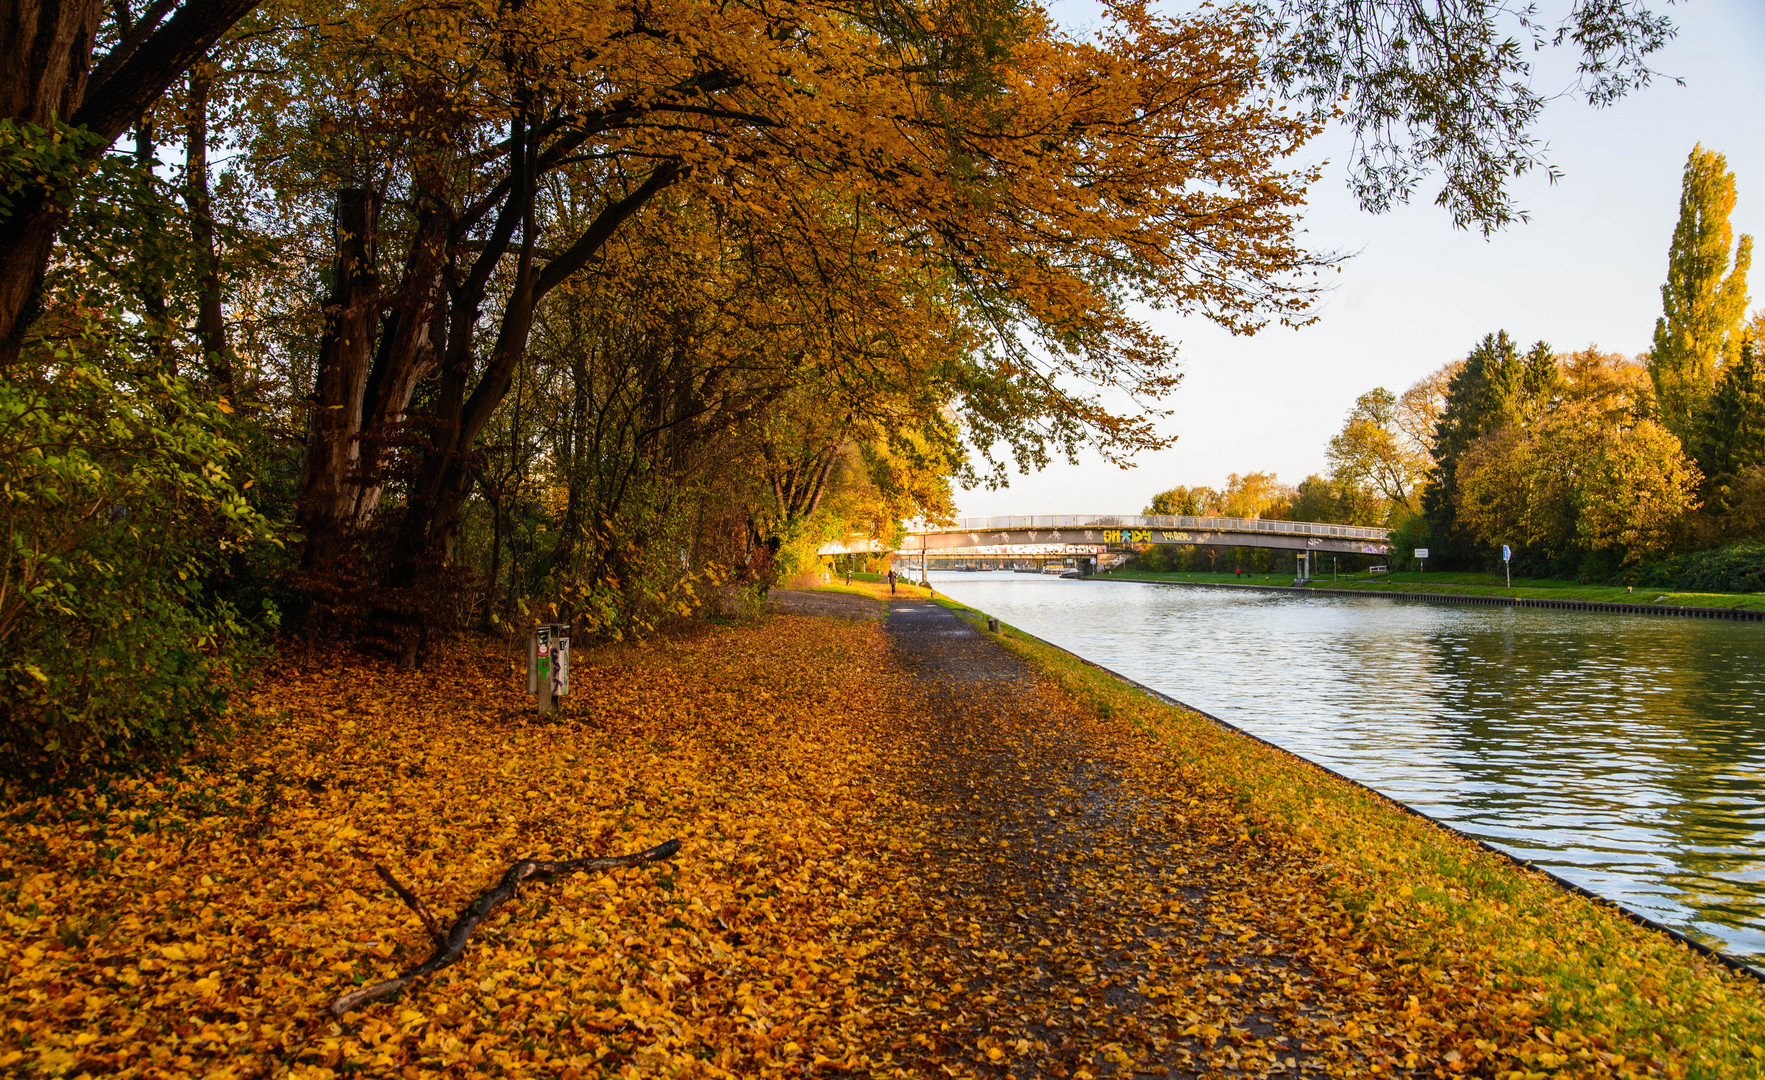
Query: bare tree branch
{"points": [[415, 903], [448, 950]]}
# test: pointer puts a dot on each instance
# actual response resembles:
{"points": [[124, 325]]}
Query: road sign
{"points": [[1507, 553], [1421, 553]]}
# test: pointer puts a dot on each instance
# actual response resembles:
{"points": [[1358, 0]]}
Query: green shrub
{"points": [[120, 518], [1738, 567]]}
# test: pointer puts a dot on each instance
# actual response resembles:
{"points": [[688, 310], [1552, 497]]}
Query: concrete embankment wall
{"points": [[1738, 614]]}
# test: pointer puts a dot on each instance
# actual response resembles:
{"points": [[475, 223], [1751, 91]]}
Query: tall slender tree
{"points": [[1704, 300]]}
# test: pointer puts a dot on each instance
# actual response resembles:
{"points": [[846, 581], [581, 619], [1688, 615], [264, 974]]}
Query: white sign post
{"points": [[1507, 564], [1422, 559], [548, 664]]}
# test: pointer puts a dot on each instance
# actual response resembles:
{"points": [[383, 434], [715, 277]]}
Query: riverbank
{"points": [[1459, 586], [906, 851], [1458, 912]]}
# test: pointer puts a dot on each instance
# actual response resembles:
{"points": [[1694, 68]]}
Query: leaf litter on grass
{"points": [[872, 881]]}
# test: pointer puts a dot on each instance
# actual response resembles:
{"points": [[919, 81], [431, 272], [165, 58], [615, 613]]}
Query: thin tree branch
{"points": [[415, 903], [449, 950]]}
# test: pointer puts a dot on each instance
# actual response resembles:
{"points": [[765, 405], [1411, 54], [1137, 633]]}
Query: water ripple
{"points": [[1625, 753]]}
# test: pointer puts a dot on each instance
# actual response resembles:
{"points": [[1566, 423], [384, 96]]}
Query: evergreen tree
{"points": [[1487, 393], [1540, 380], [1703, 301], [1732, 435]]}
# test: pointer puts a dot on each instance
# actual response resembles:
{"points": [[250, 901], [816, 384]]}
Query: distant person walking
{"points": [[891, 582]]}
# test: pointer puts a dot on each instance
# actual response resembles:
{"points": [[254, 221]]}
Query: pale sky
{"points": [[1586, 269]]}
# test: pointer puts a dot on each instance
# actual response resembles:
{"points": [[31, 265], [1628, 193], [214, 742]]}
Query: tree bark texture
{"points": [[47, 74], [464, 404], [376, 346], [211, 328], [330, 470]]}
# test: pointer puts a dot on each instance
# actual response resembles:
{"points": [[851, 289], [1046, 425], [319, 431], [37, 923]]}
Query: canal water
{"points": [[1623, 752]]}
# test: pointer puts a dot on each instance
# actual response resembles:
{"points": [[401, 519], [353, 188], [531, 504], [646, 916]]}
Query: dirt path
{"points": [[836, 605], [1076, 920]]}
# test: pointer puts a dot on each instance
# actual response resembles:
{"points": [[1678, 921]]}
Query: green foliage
{"points": [[1738, 567], [51, 160], [1731, 435], [632, 570], [1704, 302], [1410, 534], [120, 514], [1448, 86], [1486, 394], [125, 501], [1333, 501]]}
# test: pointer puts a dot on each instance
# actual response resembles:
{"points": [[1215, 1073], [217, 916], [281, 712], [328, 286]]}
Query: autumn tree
{"points": [[1197, 501], [78, 75], [1371, 451], [1039, 220], [1489, 392], [1328, 499], [1255, 495], [82, 74], [1704, 300], [1576, 479], [1586, 470], [1419, 408]]}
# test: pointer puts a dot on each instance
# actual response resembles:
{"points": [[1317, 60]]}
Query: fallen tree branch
{"points": [[449, 949], [415, 903]]}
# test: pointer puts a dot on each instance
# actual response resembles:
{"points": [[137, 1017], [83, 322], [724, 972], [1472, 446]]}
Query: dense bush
{"points": [[120, 517], [1738, 567]]}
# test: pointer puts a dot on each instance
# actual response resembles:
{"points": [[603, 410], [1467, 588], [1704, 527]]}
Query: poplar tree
{"points": [[1704, 300]]}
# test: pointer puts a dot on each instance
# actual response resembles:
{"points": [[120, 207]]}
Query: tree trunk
{"points": [[45, 58], [368, 371], [329, 472], [431, 522], [46, 61], [408, 350], [152, 284], [211, 329]]}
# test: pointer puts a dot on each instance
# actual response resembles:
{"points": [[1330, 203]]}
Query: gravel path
{"points": [[1074, 919], [833, 604]]}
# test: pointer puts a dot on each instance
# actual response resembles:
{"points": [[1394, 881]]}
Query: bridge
{"points": [[1055, 533]]}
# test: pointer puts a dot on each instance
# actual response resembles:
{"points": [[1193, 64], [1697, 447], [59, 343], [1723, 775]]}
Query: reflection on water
{"points": [[1624, 752]]}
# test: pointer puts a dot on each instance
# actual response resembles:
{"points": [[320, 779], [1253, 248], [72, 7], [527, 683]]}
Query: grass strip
{"points": [[1464, 910], [1468, 585]]}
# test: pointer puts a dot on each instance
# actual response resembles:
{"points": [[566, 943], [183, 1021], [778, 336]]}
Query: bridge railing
{"points": [[1162, 521]]}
